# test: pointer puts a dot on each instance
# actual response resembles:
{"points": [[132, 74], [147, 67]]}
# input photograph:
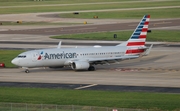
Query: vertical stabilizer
{"points": [[136, 43], [138, 38], [59, 45]]}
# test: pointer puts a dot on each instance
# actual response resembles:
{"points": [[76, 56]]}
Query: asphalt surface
{"points": [[91, 28], [95, 87]]}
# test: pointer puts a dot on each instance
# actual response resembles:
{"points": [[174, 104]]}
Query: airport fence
{"points": [[47, 107]]}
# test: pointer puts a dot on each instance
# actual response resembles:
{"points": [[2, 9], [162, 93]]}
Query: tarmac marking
{"points": [[86, 86], [79, 29], [132, 25], [163, 22], [16, 38], [144, 69], [50, 30]]}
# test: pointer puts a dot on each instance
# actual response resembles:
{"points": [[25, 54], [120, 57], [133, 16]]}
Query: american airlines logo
{"points": [[60, 55]]}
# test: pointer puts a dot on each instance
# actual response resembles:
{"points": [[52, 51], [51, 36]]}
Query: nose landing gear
{"points": [[26, 69]]}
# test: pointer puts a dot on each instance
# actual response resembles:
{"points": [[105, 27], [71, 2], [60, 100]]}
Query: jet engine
{"points": [[80, 65]]}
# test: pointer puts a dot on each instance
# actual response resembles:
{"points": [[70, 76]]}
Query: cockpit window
{"points": [[21, 56]]}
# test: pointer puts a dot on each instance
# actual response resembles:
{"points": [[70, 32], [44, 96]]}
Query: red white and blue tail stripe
{"points": [[135, 44], [138, 37]]}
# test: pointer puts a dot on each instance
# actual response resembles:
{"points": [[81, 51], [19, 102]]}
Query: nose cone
{"points": [[15, 61]]}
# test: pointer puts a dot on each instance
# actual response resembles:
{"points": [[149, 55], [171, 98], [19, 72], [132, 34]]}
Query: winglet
{"points": [[59, 45], [148, 50]]}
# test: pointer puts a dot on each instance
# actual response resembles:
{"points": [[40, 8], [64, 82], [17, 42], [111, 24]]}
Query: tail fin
{"points": [[135, 44], [138, 37]]}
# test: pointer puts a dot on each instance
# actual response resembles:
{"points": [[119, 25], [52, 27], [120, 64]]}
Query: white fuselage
{"points": [[61, 57]]}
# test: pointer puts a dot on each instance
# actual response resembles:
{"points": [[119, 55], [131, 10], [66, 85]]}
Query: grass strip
{"points": [[7, 55], [35, 23], [47, 2], [142, 100], [33, 9], [127, 14], [155, 35], [51, 2]]}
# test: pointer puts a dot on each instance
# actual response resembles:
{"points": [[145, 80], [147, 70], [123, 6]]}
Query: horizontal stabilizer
{"points": [[148, 50], [59, 45]]}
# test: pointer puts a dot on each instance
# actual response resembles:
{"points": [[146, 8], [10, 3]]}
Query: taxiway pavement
{"points": [[92, 28]]}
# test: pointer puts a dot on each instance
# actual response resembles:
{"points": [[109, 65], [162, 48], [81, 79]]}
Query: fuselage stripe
{"points": [[134, 51], [135, 43]]}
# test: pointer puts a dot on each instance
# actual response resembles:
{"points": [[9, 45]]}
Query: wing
{"points": [[110, 60], [105, 60]]}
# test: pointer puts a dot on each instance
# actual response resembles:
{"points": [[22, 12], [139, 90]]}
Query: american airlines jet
{"points": [[85, 58]]}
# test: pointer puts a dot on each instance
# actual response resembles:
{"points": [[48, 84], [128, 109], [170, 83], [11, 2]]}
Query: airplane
{"points": [[85, 58]]}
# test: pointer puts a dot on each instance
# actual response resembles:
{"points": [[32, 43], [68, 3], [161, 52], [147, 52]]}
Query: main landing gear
{"points": [[26, 71], [91, 68]]}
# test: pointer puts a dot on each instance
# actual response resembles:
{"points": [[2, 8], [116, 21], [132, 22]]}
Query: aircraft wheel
{"points": [[26, 71], [91, 68]]}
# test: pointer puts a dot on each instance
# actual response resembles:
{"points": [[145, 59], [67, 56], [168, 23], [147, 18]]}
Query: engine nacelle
{"points": [[80, 65]]}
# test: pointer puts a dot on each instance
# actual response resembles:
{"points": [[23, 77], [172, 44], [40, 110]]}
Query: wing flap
{"points": [[111, 60], [104, 60]]}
